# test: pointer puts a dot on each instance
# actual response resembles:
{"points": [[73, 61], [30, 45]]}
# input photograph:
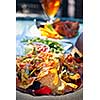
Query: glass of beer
{"points": [[51, 7]]}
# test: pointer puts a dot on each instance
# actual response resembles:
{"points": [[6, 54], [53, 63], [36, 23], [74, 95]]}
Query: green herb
{"points": [[34, 51], [75, 67], [50, 27], [32, 71]]}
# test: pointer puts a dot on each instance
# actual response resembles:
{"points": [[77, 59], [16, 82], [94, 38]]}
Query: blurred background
{"points": [[32, 8]]}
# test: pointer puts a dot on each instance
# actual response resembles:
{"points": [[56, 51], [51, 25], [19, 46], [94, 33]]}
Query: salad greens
{"points": [[54, 46]]}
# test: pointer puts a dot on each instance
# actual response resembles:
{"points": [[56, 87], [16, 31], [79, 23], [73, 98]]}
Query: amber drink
{"points": [[51, 7]]}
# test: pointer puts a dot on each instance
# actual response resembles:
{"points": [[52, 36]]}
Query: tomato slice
{"points": [[43, 90]]}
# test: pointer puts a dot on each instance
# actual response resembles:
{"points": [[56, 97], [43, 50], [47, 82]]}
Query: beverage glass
{"points": [[51, 7]]}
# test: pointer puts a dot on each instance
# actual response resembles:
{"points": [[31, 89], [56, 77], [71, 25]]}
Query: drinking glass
{"points": [[51, 7]]}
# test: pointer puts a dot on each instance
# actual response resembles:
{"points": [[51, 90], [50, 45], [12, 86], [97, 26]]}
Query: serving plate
{"points": [[77, 95]]}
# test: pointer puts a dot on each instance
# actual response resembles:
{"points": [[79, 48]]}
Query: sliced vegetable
{"points": [[42, 91]]}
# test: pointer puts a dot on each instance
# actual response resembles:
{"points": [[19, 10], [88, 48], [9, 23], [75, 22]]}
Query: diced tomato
{"points": [[78, 60], [43, 90], [69, 58], [22, 65]]}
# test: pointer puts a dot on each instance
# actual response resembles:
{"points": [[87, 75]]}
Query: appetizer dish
{"points": [[53, 46], [46, 70], [44, 67]]}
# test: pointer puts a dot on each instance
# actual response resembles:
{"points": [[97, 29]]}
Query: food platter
{"points": [[53, 46]]}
